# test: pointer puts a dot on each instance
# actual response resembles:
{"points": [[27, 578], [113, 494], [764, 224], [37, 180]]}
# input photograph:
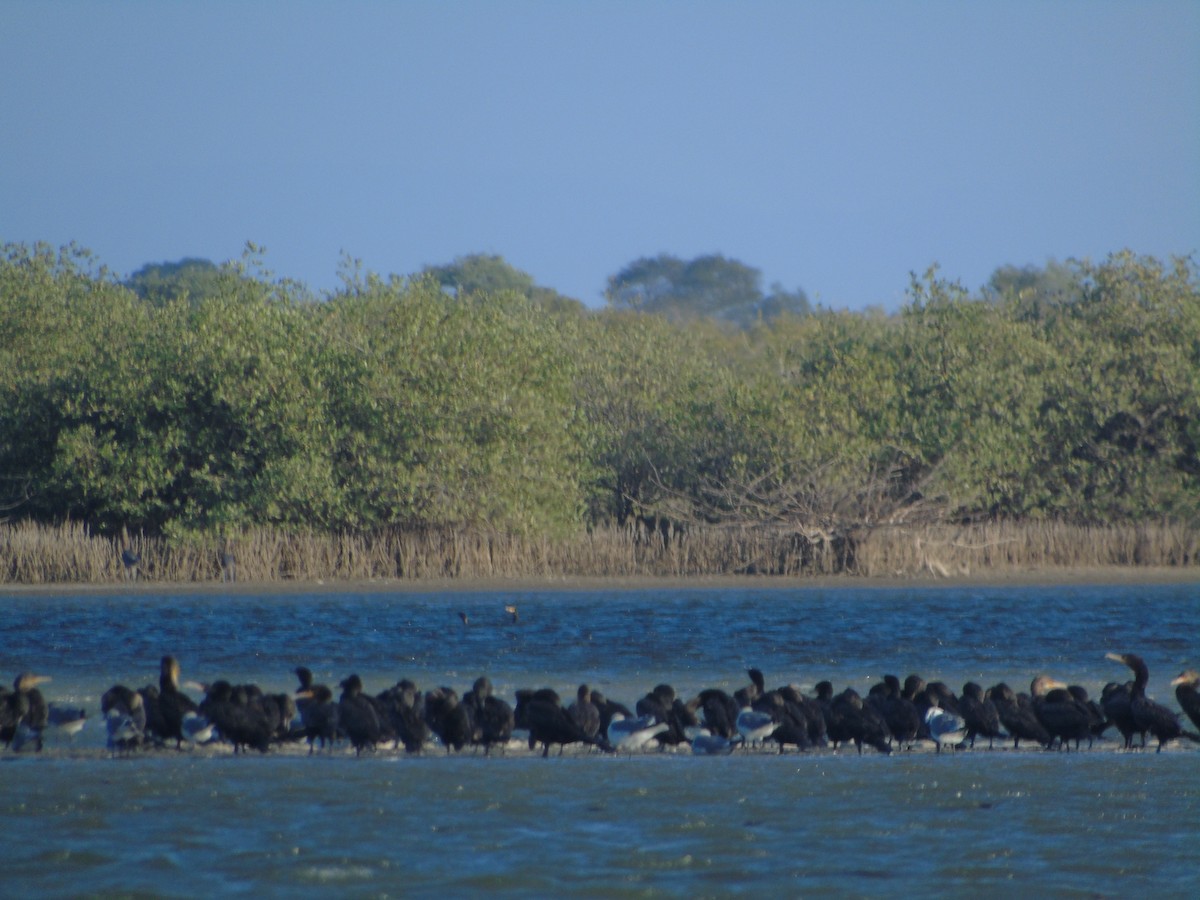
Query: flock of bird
{"points": [[892, 715]]}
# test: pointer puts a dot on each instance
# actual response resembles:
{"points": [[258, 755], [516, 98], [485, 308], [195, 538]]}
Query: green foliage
{"points": [[481, 273], [707, 286], [192, 279], [1069, 393]]}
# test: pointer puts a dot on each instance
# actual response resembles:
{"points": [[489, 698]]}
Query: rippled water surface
{"points": [[181, 824]]}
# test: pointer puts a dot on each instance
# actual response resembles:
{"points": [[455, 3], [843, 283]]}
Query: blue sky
{"points": [[834, 146]]}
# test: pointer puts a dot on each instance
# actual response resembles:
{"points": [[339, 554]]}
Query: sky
{"points": [[835, 146]]}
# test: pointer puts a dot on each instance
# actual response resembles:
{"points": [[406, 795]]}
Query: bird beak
{"points": [[1178, 680], [195, 686], [1115, 657], [41, 679], [304, 695]]}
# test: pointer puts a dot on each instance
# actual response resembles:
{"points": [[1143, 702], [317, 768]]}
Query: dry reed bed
{"points": [[38, 554]]}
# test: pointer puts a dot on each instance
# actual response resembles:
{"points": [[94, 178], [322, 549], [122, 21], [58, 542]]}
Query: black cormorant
{"points": [[1147, 714], [980, 714], [1187, 692]]}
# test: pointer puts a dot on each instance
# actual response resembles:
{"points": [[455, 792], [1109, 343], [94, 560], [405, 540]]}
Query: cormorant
{"points": [[449, 719], [1186, 686], [979, 714], [859, 722], [901, 714], [1117, 702], [239, 719], [26, 713], [1061, 714], [357, 716], [584, 712], [542, 715], [1148, 715], [1017, 716], [401, 711], [166, 708], [609, 709], [494, 719], [319, 714], [718, 711]]}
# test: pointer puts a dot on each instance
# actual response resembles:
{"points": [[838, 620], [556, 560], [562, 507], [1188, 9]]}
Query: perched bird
{"points": [[753, 726], [584, 712], [130, 560], [67, 721], [24, 714], [1059, 712], [1116, 700], [494, 718], [357, 716], [1147, 714], [979, 713], [945, 727], [1018, 717], [228, 564], [125, 719], [1187, 693], [714, 744], [319, 716], [629, 734]]}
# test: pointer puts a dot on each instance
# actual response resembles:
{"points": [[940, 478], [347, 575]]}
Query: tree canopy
{"points": [[397, 403], [709, 285]]}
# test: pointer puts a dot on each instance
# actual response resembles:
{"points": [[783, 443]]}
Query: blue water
{"points": [[188, 824]]}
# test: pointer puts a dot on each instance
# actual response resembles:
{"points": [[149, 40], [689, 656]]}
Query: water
{"points": [[187, 824]]}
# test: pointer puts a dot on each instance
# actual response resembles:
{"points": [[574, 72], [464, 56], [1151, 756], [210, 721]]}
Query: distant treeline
{"points": [[1068, 394]]}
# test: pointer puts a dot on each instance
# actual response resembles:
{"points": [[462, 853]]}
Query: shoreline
{"points": [[1053, 576]]}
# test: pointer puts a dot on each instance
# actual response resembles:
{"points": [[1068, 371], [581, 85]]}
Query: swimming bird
{"points": [[945, 727], [511, 609], [1186, 686], [1147, 714]]}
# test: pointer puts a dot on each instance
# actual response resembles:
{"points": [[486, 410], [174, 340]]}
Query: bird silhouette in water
{"points": [[511, 609]]}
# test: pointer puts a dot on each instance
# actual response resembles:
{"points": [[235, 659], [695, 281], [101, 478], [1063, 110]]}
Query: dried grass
{"points": [[39, 554]]}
